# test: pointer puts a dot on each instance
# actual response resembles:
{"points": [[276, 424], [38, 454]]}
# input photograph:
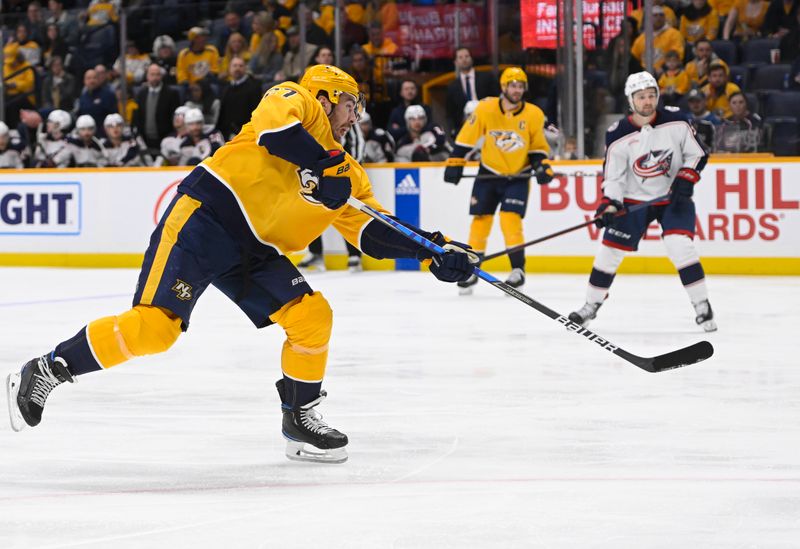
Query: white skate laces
{"points": [[45, 382], [312, 420]]}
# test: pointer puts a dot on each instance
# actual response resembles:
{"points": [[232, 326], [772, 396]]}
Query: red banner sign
{"points": [[540, 22], [429, 32]]}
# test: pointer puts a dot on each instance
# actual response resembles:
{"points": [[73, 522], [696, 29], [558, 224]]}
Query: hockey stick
{"points": [[482, 176], [674, 359], [524, 245]]}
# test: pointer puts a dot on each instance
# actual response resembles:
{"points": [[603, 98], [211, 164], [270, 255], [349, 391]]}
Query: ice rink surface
{"points": [[474, 422]]}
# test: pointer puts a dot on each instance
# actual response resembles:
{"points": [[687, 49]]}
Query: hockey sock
{"points": [[297, 393], [683, 254], [604, 270], [307, 322], [479, 232], [511, 225]]}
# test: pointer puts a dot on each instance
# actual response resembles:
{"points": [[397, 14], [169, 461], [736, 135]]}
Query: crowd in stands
{"points": [[190, 74]]}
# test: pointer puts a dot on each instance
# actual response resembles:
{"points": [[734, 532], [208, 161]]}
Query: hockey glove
{"points": [[543, 172], [332, 190], [683, 186], [454, 169], [455, 265], [606, 211]]}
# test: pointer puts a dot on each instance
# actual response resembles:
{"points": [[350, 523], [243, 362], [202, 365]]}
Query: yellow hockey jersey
{"points": [[509, 137], [274, 194]]}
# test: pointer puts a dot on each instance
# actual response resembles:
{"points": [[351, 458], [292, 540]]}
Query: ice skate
{"points": [[308, 437], [585, 314], [465, 288], [313, 262], [705, 316], [354, 264], [516, 279], [27, 390]]}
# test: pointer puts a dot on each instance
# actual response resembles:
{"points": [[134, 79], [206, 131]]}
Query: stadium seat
{"points": [[753, 103], [739, 75], [725, 50], [783, 135], [771, 77], [756, 51], [782, 104]]}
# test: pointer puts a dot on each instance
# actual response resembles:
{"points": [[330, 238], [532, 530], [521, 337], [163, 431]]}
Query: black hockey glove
{"points": [[455, 265], [453, 170], [683, 186], [543, 172], [606, 211], [332, 190]]}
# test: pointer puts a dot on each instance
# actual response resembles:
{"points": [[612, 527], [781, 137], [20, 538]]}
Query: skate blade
{"points": [[12, 390], [465, 291], [709, 326], [299, 451]]}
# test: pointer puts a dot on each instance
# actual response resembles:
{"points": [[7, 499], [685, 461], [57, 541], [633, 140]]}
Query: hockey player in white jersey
{"points": [[52, 148], [648, 154], [119, 147], [10, 149], [171, 144], [87, 150], [199, 142]]}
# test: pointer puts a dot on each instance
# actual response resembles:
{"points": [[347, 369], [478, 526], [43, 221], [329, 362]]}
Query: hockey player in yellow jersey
{"points": [[270, 191], [514, 148]]}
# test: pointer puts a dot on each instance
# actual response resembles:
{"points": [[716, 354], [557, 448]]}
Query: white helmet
{"points": [[470, 106], [61, 119], [180, 111], [639, 81], [415, 111], [85, 122], [113, 119], [193, 116], [365, 118], [3, 128]]}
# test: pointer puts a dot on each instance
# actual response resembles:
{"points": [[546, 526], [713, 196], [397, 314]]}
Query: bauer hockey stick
{"points": [[524, 245], [668, 361]]}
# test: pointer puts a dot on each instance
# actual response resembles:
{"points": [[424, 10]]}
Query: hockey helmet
{"points": [[113, 119], [365, 118], [513, 74], [180, 111], [415, 111], [85, 122], [470, 106], [3, 128], [334, 82], [639, 81], [61, 119], [193, 116]]}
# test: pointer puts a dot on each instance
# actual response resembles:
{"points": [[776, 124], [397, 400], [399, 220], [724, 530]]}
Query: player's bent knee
{"points": [[308, 322], [148, 330], [681, 250]]}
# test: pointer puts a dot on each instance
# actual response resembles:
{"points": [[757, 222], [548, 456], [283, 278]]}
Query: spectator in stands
{"points": [[279, 12], [699, 20], [262, 25], [387, 63], [781, 18], [10, 149], [53, 45], [361, 71], [718, 90], [201, 97], [409, 95], [68, 28], [745, 20], [30, 50], [19, 79], [102, 75], [467, 85], [295, 61], [129, 108], [665, 38], [742, 131], [198, 144], [704, 57], [136, 64], [171, 144], [423, 141], [669, 14], [705, 122], [34, 23], [52, 149], [315, 34], [120, 149], [164, 56], [157, 101], [96, 100], [59, 89], [267, 61], [87, 150], [236, 47], [378, 144], [323, 55], [231, 24], [790, 44], [238, 99], [674, 82], [198, 61], [101, 13], [619, 62], [326, 18], [31, 130]]}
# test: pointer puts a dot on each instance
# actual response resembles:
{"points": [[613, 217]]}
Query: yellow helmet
{"points": [[333, 81], [513, 74]]}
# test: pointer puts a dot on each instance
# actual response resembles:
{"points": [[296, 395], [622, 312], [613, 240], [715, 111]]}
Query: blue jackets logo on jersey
{"points": [[653, 164], [506, 140]]}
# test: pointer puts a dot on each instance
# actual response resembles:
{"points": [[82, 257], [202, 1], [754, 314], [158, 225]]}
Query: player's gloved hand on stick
{"points": [[606, 211], [683, 186], [454, 169], [543, 172], [455, 265], [332, 191]]}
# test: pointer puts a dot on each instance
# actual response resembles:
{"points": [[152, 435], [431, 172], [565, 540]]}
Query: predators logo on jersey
{"points": [[308, 182], [507, 140], [653, 164]]}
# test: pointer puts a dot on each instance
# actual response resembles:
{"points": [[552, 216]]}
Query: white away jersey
{"points": [[641, 163]]}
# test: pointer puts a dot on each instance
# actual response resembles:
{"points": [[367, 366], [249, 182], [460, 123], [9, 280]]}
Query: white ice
{"points": [[474, 422]]}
